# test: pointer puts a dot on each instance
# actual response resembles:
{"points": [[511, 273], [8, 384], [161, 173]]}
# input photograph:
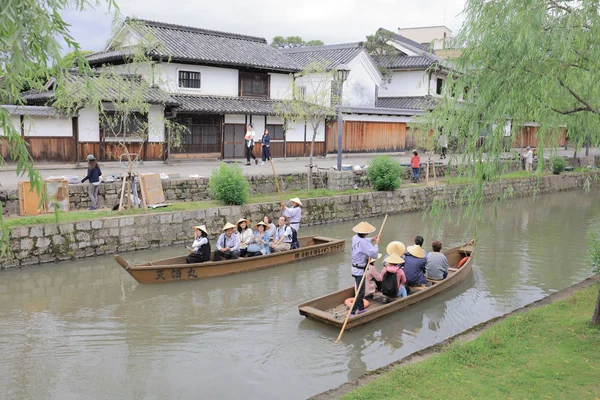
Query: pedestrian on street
{"points": [[266, 147], [443, 142], [93, 174], [528, 156], [415, 163], [250, 135]]}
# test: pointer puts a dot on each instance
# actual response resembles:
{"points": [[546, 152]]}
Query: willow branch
{"points": [[578, 97]]}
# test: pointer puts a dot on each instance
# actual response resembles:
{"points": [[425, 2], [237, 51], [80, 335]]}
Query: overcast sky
{"points": [[332, 21]]}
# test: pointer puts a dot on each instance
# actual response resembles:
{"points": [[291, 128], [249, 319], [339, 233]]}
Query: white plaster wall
{"points": [[376, 118], [47, 126], [318, 87], [259, 125], [156, 124], [16, 122], [213, 80], [281, 86], [406, 84], [295, 132], [359, 88], [235, 119], [272, 120], [434, 78], [89, 125]]}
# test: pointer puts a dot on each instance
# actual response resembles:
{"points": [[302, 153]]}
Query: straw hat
{"points": [[247, 221], [364, 227], [260, 223], [228, 225], [396, 247], [202, 228], [416, 251], [297, 201], [394, 259]]}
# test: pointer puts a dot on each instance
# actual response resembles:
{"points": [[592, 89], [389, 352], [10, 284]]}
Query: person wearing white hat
{"points": [[294, 213], [201, 246], [283, 237], [244, 234], [260, 241], [528, 156], [93, 174], [362, 250], [414, 266], [228, 244]]}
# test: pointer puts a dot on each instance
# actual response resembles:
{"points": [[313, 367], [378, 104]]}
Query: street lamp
{"points": [[341, 74]]}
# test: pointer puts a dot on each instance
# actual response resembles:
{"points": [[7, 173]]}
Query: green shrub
{"points": [[385, 173], [557, 164], [228, 184]]}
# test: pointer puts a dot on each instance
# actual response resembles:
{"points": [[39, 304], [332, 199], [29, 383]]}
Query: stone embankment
{"points": [[31, 245]]}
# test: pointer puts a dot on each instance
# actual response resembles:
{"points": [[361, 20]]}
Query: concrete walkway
{"points": [[9, 179]]}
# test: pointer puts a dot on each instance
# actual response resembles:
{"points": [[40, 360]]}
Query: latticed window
{"points": [[254, 85], [189, 79]]}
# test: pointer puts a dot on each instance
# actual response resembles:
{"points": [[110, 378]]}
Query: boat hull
{"points": [[176, 269], [330, 309]]}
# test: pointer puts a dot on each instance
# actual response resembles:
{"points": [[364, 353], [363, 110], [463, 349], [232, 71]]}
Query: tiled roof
{"points": [[109, 89], [226, 105], [188, 44], [380, 111], [33, 111], [410, 42], [402, 61], [327, 57], [406, 103]]}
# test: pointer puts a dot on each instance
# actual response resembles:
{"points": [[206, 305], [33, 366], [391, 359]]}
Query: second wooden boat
{"points": [[176, 269], [331, 309]]}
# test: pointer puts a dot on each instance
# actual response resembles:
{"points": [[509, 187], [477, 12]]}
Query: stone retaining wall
{"points": [[48, 243]]}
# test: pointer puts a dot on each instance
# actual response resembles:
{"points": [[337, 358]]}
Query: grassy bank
{"points": [[551, 352], [74, 216]]}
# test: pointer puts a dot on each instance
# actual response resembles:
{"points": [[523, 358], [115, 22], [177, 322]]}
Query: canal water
{"points": [[87, 330]]}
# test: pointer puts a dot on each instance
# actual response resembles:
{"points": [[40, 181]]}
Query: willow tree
{"points": [[31, 33], [521, 61], [313, 100]]}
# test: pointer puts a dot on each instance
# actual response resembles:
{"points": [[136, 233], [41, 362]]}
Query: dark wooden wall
{"points": [[359, 136], [527, 136], [111, 151], [294, 149], [52, 149]]}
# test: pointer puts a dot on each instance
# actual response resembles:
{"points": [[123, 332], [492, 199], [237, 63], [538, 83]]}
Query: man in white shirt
{"points": [[283, 237], [528, 156]]}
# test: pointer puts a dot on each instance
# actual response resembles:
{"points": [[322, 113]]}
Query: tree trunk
{"points": [[587, 145], [596, 316]]}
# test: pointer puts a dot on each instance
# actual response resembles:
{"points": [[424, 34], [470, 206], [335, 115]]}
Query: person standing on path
{"points": [[415, 163], [93, 174], [362, 250], [528, 156], [250, 134], [443, 142], [294, 213], [266, 147]]}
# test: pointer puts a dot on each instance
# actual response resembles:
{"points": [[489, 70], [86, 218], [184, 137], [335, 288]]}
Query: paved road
{"points": [[9, 179]]}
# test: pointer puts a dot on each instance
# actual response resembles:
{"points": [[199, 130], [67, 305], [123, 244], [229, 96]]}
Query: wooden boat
{"points": [[331, 310], [176, 269]]}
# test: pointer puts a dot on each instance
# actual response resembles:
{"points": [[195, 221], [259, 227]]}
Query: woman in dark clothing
{"points": [[201, 246], [266, 147], [93, 174]]}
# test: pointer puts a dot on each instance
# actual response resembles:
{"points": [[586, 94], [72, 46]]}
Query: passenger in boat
{"points": [[393, 278], [228, 244], [394, 247], [294, 213], [362, 250], [419, 242], [244, 234], [271, 227], [260, 241], [283, 237], [414, 266], [201, 246], [437, 263], [372, 280]]}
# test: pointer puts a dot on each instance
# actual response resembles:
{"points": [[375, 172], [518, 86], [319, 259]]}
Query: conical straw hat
{"points": [[247, 221], [228, 225], [396, 247], [394, 259], [364, 227], [297, 201], [202, 228], [260, 223], [416, 251]]}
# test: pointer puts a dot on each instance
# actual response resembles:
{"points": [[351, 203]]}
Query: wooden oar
{"points": [[360, 285], [276, 181]]}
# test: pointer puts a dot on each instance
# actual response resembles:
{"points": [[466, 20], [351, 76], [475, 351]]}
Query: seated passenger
{"points": [[437, 263], [259, 246], [244, 234], [419, 242], [271, 227], [283, 237], [393, 278], [394, 247], [372, 280], [228, 244], [414, 266], [201, 246]]}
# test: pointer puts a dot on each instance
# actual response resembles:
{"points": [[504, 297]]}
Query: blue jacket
{"points": [[414, 269], [266, 140], [93, 175]]}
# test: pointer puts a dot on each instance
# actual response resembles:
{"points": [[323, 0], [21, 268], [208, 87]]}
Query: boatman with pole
{"points": [[362, 250], [294, 213]]}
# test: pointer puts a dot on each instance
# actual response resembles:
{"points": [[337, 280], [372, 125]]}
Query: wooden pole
{"points": [[276, 181], [359, 286]]}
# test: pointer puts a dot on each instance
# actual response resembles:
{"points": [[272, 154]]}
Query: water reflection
{"points": [[86, 329]]}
